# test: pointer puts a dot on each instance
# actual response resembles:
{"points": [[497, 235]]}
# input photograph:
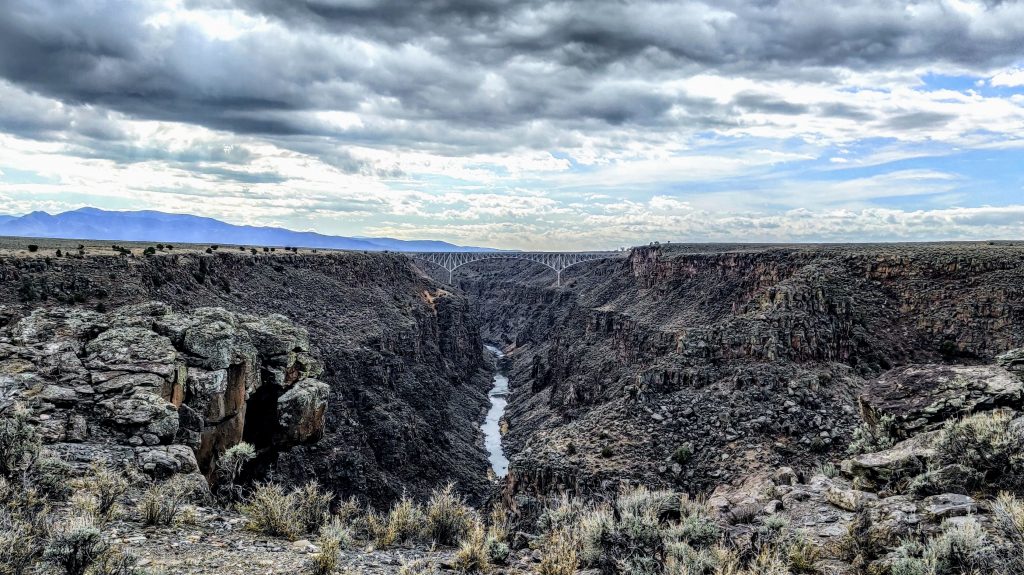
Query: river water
{"points": [[492, 425]]}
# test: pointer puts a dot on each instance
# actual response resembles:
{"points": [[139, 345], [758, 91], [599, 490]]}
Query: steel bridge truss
{"points": [[557, 261]]}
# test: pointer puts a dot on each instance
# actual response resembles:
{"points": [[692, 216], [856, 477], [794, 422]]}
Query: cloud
{"points": [[469, 115], [1009, 78]]}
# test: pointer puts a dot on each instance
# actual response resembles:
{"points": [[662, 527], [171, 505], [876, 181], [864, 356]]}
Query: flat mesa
{"points": [[492, 424]]}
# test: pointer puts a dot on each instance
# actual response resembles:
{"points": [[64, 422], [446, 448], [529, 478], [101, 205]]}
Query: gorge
{"points": [[699, 369]]}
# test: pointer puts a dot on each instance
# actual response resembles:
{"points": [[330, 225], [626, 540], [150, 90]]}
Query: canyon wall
{"points": [[401, 355], [689, 366]]}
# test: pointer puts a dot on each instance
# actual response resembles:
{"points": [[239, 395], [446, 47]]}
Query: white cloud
{"points": [[1009, 78]]}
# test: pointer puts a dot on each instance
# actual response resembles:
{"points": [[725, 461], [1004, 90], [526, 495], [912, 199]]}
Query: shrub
{"points": [[405, 521], [337, 529], [559, 555], [448, 518], [983, 442], [472, 556], [150, 251], [828, 469], [960, 548], [313, 506], [869, 438], [685, 560], [108, 486], [20, 444], [33, 248], [1008, 522], [683, 453], [607, 451], [229, 466], [803, 556], [697, 530], [946, 479], [53, 475], [326, 560], [271, 511], [597, 528], [59, 253], [75, 545], [348, 511], [377, 529], [160, 503], [117, 561], [497, 551], [24, 522], [498, 523]]}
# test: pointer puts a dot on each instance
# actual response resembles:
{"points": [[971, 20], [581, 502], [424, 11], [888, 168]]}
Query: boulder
{"points": [[1012, 360], [211, 344], [939, 507], [905, 459], [131, 349], [167, 460], [275, 336], [848, 499], [302, 411], [922, 397]]}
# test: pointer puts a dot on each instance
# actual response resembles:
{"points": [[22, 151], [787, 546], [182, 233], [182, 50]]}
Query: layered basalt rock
{"points": [[169, 392]]}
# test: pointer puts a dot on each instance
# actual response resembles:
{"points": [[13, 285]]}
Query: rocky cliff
{"points": [[400, 354], [689, 366], [165, 391]]}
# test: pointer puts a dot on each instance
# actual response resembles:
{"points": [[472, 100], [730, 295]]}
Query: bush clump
{"points": [[448, 518], [228, 468], [985, 443], [20, 444], [162, 501], [75, 545], [869, 438], [273, 511]]}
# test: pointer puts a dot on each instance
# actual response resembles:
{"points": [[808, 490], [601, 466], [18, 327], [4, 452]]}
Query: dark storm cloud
{"points": [[461, 76]]}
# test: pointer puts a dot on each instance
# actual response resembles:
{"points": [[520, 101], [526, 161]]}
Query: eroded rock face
{"points": [[168, 392]]}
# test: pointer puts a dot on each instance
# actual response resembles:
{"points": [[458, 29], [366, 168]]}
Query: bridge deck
{"points": [[557, 261]]}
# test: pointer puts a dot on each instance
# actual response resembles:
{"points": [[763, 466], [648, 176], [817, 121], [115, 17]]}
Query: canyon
{"points": [[699, 369]]}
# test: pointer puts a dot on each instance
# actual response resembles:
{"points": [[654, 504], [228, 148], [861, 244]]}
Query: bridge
{"points": [[557, 261]]}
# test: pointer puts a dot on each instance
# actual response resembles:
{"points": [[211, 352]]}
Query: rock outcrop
{"points": [[167, 391], [921, 397]]}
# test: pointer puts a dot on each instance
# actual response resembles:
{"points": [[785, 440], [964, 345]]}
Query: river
{"points": [[492, 425]]}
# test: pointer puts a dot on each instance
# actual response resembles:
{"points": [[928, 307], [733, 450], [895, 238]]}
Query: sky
{"points": [[529, 124]]}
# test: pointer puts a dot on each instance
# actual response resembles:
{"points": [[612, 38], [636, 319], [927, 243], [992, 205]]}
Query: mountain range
{"points": [[97, 224]]}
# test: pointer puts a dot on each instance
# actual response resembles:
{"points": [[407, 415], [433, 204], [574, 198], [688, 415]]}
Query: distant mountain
{"points": [[152, 226]]}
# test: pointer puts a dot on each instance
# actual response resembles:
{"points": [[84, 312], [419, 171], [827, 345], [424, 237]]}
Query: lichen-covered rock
{"points": [[903, 460], [165, 391], [1012, 360], [922, 397], [301, 410]]}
